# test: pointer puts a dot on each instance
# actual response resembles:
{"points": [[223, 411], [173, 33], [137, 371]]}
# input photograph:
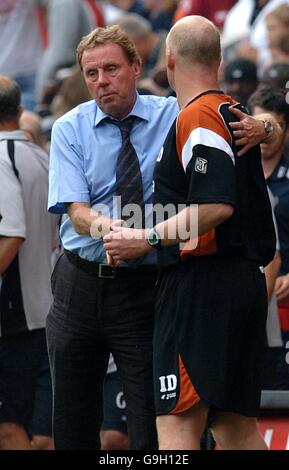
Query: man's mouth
{"points": [[107, 95]]}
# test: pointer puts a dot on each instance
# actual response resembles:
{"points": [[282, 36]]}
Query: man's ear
{"points": [[170, 59], [137, 70]]}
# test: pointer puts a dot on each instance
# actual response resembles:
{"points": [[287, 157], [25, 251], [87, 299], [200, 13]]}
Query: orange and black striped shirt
{"points": [[198, 165]]}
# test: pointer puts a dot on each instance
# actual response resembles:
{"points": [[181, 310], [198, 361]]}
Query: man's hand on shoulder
{"points": [[250, 131]]}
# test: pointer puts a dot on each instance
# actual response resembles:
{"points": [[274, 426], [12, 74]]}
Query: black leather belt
{"points": [[108, 272]]}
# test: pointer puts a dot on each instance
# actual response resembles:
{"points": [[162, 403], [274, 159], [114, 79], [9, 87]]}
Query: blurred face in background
{"points": [[276, 148], [277, 31]]}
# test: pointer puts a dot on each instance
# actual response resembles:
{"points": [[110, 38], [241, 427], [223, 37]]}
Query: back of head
{"points": [[10, 96], [195, 41], [109, 35], [134, 25]]}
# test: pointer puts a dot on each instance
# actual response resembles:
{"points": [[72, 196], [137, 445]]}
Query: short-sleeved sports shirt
{"points": [[198, 165]]}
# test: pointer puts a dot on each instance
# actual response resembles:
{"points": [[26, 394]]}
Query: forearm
{"points": [[9, 247], [192, 222], [88, 222], [271, 273], [124, 243]]}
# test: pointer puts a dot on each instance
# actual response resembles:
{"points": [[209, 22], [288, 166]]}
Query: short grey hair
{"points": [[134, 25]]}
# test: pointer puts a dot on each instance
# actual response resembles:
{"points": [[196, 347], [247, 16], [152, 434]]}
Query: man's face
{"points": [[110, 79], [270, 151]]}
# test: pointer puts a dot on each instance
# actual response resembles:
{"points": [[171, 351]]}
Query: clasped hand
{"points": [[123, 243]]}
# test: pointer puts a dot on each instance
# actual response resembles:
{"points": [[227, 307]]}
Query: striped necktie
{"points": [[128, 185]]}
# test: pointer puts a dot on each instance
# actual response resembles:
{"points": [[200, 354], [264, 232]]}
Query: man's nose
{"points": [[102, 78]]}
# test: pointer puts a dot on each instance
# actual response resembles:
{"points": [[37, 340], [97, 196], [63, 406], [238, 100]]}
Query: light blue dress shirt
{"points": [[84, 151]]}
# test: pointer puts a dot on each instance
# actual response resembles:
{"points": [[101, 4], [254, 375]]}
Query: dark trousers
{"points": [[91, 317]]}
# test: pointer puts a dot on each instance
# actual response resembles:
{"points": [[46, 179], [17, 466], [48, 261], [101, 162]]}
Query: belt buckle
{"points": [[103, 270]]}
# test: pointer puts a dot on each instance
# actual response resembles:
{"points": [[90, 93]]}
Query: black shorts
{"points": [[25, 385], [114, 406], [209, 335]]}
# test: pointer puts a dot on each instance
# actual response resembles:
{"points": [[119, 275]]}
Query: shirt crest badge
{"points": [[201, 165]]}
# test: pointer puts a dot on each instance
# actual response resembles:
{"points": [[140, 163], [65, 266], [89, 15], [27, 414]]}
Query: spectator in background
{"points": [[277, 23], [277, 75], [71, 93], [276, 169], [215, 11], [68, 22], [245, 32], [30, 124], [274, 344], [150, 45], [21, 46], [240, 79], [161, 13], [132, 6], [28, 238]]}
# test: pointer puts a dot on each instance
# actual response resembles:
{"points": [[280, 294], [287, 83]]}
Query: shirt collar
{"points": [[281, 169], [138, 110], [13, 135]]}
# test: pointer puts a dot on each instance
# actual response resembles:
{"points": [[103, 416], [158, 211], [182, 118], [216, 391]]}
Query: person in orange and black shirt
{"points": [[212, 303], [211, 306]]}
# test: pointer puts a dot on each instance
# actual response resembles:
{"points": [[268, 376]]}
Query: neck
{"points": [[270, 164], [188, 85], [9, 126]]}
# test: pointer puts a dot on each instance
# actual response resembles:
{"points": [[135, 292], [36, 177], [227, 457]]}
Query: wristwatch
{"points": [[154, 239], [268, 127]]}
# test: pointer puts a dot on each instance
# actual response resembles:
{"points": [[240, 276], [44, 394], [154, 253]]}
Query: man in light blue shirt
{"points": [[84, 151], [98, 309]]}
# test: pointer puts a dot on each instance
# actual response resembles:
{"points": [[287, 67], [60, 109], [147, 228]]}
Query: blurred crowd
{"points": [[41, 36]]}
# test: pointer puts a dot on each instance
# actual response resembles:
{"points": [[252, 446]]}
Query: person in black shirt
{"points": [[217, 237], [275, 164]]}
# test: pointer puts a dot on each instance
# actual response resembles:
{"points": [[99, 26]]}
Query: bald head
{"points": [[10, 96], [195, 40]]}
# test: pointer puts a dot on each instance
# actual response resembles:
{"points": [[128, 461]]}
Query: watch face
{"points": [[153, 238], [268, 127]]}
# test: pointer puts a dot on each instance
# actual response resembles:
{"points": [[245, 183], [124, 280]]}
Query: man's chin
{"points": [[108, 106], [264, 151]]}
